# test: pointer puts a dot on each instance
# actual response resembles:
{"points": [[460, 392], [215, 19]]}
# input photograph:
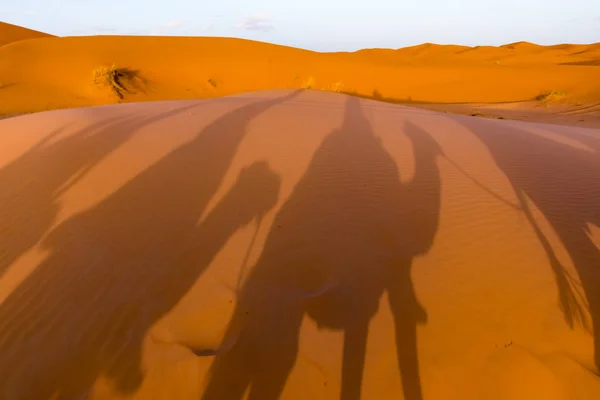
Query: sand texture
{"points": [[297, 244]]}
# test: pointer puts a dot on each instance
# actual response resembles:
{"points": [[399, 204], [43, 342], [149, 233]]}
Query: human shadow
{"points": [[32, 183], [563, 182], [347, 233], [117, 268]]}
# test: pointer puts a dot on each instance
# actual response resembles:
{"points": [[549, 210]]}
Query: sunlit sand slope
{"points": [[52, 73]]}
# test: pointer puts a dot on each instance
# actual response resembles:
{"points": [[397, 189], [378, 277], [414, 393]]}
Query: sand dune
{"points": [[11, 33], [175, 68], [297, 244]]}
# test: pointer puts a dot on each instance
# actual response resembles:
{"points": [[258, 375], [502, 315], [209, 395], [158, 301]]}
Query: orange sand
{"points": [[11, 33], [170, 68], [295, 245]]}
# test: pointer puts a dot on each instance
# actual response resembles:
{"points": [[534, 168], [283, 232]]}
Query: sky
{"points": [[321, 25]]}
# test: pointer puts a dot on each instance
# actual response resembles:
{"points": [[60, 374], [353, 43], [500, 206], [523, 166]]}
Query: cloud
{"points": [[104, 29], [256, 22], [171, 25], [207, 28], [179, 27], [169, 28], [95, 30]]}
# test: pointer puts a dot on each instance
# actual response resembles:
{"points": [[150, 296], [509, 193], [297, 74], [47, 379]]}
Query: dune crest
{"points": [[176, 68], [12, 33]]}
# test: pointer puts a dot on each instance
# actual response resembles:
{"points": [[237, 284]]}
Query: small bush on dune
{"points": [[554, 95], [336, 87], [308, 83], [114, 78]]}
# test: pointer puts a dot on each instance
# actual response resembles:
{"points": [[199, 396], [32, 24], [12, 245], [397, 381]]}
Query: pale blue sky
{"points": [[324, 25]]}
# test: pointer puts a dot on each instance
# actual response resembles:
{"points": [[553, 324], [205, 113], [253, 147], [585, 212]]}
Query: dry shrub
{"points": [[114, 78], [308, 83], [336, 87], [552, 96]]}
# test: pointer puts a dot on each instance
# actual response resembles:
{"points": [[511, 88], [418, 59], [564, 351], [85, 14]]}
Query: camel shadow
{"points": [[347, 234], [115, 269]]}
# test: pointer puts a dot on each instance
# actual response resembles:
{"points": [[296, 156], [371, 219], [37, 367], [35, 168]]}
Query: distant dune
{"points": [[12, 33], [295, 245], [55, 73]]}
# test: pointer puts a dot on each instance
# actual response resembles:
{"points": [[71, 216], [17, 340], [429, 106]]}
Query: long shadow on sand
{"points": [[563, 182], [114, 270], [348, 232], [588, 139], [32, 183]]}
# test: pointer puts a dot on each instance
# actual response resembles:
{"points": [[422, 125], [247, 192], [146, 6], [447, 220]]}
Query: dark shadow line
{"points": [[482, 186]]}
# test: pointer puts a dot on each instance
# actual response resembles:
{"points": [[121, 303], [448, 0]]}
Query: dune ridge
{"points": [[168, 68], [12, 33], [292, 244]]}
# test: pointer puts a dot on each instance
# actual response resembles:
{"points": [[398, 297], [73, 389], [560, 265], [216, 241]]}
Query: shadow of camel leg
{"points": [[355, 346], [409, 362], [277, 353], [407, 313]]}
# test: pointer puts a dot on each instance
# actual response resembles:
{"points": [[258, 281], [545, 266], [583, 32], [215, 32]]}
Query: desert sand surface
{"points": [[58, 72], [296, 244]]}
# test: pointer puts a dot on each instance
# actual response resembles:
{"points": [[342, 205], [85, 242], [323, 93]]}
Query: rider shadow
{"points": [[116, 269], [348, 233]]}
